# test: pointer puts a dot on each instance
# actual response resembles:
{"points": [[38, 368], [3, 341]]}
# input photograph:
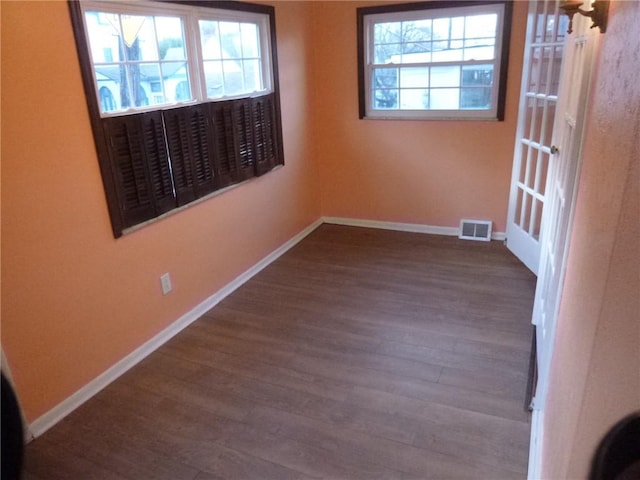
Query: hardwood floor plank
{"points": [[348, 445], [358, 354]]}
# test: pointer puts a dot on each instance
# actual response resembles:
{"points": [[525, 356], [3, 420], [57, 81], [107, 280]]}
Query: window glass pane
{"points": [[139, 38], [478, 26], [479, 49], [385, 93], [447, 51], [477, 75], [441, 28], [176, 81], [210, 40], [389, 32], [457, 27], [416, 52], [444, 98], [107, 99], [233, 77], [385, 99], [182, 91], [475, 98], [448, 76], [387, 53], [414, 99], [414, 77], [213, 78], [385, 77], [141, 77], [230, 40], [252, 78], [249, 34], [170, 38], [416, 31], [104, 36]]}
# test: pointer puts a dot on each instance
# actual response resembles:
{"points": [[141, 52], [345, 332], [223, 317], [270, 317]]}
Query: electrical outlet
{"points": [[165, 280]]}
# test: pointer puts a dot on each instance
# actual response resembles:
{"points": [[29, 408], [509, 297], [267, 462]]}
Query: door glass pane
{"points": [[555, 71], [540, 21], [523, 162], [543, 165], [518, 209], [530, 106], [531, 173], [534, 70], [545, 65], [537, 121], [548, 128], [537, 219], [526, 212]]}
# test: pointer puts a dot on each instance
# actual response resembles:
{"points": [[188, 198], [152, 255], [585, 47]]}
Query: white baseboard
{"points": [[403, 227], [535, 445], [64, 408]]}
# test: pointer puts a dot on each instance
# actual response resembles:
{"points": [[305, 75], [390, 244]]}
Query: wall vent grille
{"points": [[475, 230]]}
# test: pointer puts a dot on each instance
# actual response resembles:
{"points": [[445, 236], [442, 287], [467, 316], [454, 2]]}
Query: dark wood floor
{"points": [[359, 354]]}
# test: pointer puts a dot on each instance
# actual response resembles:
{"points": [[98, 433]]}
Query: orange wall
{"points": [[595, 378], [74, 300], [424, 172]]}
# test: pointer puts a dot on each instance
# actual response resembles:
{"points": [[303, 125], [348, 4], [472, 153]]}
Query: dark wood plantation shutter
{"points": [[156, 148], [265, 133], [188, 137], [226, 158], [243, 129], [164, 159], [139, 163]]}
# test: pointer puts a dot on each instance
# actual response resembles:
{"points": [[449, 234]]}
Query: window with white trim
{"points": [[183, 99], [433, 60]]}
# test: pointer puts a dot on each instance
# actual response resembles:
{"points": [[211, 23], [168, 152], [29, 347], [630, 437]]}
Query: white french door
{"points": [[544, 46], [560, 199]]}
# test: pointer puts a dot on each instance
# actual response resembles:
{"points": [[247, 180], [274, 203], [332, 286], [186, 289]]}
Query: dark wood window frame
{"points": [[362, 12], [156, 161]]}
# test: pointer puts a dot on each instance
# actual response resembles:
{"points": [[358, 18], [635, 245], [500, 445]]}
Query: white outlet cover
{"points": [[165, 280]]}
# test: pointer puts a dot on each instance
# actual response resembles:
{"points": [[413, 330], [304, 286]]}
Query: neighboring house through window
{"points": [[438, 60], [183, 99]]}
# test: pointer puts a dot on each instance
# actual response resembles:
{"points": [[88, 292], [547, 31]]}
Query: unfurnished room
{"points": [[320, 239]]}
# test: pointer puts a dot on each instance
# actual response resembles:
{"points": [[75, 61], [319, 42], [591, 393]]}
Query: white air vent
{"points": [[475, 230]]}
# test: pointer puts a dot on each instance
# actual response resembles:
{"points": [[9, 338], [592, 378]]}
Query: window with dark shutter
{"points": [[176, 130]]}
